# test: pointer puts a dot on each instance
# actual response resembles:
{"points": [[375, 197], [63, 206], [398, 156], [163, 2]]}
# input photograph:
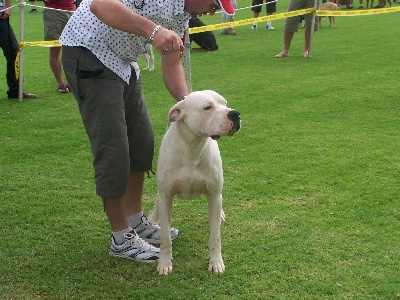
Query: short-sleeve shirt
{"points": [[116, 49]]}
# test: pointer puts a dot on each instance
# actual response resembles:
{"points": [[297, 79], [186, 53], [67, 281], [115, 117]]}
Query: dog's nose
{"points": [[234, 116]]}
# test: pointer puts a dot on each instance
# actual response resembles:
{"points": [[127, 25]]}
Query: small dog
{"points": [[328, 6], [206, 40], [189, 164], [149, 56]]}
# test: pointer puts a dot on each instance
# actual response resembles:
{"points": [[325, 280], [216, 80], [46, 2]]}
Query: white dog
{"points": [[149, 56], [189, 164]]}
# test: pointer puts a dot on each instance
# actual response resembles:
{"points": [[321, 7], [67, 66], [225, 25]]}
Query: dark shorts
{"points": [[115, 117], [271, 7]]}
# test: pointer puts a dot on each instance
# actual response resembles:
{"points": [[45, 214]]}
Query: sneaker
{"points": [[361, 7], [254, 26], [151, 232], [33, 10], [269, 28], [135, 248]]}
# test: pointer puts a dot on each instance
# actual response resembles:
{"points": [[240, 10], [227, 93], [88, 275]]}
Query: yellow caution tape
{"points": [[293, 14], [22, 45], [285, 15], [360, 12], [252, 20]]}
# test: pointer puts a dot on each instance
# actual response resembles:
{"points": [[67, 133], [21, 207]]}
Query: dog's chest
{"points": [[192, 181]]}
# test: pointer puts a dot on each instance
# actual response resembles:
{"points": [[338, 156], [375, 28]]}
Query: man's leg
{"points": [[9, 45], [55, 64], [307, 37], [133, 197]]}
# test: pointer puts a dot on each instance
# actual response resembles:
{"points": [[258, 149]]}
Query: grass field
{"points": [[311, 180]]}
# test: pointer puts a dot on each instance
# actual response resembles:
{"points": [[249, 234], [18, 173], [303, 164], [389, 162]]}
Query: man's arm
{"points": [[116, 15], [5, 14], [174, 75]]}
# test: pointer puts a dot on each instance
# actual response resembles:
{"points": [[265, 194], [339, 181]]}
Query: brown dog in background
{"points": [[328, 6]]}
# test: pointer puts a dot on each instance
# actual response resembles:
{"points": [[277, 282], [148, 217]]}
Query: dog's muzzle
{"points": [[233, 116]]}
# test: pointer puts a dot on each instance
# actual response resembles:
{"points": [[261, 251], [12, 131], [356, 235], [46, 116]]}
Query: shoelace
{"points": [[149, 223], [142, 243], [135, 239]]}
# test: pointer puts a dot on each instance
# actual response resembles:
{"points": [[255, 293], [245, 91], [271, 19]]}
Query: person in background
{"points": [[33, 10], [270, 8], [104, 76], [55, 17], [228, 18], [10, 47], [292, 26]]}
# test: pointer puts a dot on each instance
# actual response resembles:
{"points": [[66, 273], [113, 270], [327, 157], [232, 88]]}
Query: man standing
{"points": [[101, 43], [270, 8], [10, 47], [55, 17], [292, 26]]}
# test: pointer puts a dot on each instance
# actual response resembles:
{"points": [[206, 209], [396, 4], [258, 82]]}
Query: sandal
{"points": [[307, 54], [63, 89], [280, 55]]}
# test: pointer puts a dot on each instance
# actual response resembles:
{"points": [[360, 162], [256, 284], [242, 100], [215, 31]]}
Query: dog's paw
{"points": [[216, 267], [164, 268]]}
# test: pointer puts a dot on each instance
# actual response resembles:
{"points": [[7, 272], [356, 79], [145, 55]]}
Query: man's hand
{"points": [[167, 41]]}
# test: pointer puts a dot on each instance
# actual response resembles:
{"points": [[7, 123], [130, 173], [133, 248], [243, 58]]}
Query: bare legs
{"points": [[287, 40], [119, 208], [56, 66]]}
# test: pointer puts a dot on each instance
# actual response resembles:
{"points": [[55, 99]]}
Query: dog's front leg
{"points": [[154, 214], [147, 57], [216, 264], [164, 210]]}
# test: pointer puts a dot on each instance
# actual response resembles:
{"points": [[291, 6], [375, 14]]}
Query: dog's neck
{"points": [[194, 144]]}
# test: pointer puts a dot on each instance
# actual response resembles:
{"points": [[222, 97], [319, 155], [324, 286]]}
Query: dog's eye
{"points": [[207, 107]]}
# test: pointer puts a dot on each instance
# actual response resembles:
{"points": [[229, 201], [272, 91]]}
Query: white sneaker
{"points": [[151, 232], [135, 248], [269, 28], [254, 26]]}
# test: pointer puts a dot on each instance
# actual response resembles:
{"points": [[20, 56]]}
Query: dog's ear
{"points": [[176, 113]]}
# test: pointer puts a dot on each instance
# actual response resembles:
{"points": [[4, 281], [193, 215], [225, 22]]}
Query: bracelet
{"points": [[151, 38]]}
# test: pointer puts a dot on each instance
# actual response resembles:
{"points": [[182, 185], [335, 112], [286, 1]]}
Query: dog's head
{"points": [[209, 42], [205, 114]]}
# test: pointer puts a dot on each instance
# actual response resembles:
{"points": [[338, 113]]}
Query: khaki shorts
{"points": [[292, 23], [54, 22], [115, 117]]}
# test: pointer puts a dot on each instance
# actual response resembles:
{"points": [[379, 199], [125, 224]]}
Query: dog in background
{"points": [[189, 165], [206, 40], [149, 56], [328, 6]]}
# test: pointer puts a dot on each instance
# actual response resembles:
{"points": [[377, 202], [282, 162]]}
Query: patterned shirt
{"points": [[116, 49]]}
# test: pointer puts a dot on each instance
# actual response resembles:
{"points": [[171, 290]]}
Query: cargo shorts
{"points": [[54, 22], [115, 117], [292, 23]]}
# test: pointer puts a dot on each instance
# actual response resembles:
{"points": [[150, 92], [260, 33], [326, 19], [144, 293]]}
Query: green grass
{"points": [[311, 180]]}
